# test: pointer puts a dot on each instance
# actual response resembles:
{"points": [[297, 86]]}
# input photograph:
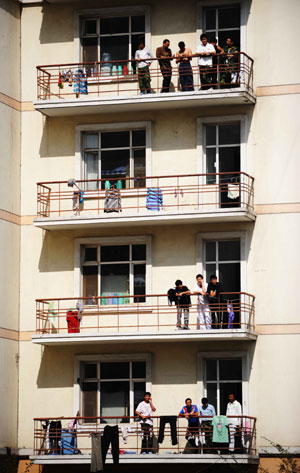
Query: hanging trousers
{"points": [[96, 458], [111, 435], [172, 420]]}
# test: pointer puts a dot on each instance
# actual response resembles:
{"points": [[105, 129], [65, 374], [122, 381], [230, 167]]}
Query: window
{"points": [[223, 258], [221, 22], [111, 388], [111, 38], [222, 377], [114, 270], [114, 156]]}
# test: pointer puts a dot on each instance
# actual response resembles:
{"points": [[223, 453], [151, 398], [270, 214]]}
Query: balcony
{"points": [[84, 88], [126, 319], [190, 198], [56, 443]]}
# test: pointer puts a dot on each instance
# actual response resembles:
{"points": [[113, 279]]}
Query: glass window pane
{"points": [[92, 169], [139, 168], [114, 370], [92, 140], [211, 394], [229, 250], [210, 135], [139, 252], [114, 165], [229, 161], [115, 139], [117, 47], [90, 254], [139, 369], [134, 46], [139, 282], [210, 269], [210, 19], [90, 370], [89, 49], [230, 134], [211, 165], [225, 390], [90, 27], [211, 370], [233, 34], [229, 276], [139, 391], [90, 283], [114, 25], [115, 253], [210, 251], [114, 400], [230, 369], [89, 401], [138, 24], [114, 281], [139, 138], [229, 17]]}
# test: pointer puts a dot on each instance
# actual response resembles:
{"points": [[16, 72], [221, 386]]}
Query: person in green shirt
{"points": [[230, 67]]}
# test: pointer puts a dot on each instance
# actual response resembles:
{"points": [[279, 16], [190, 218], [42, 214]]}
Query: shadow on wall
{"points": [[58, 140], [57, 252], [57, 24], [56, 369]]}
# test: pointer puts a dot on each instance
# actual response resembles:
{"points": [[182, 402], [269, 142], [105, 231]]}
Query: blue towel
{"points": [[154, 200]]}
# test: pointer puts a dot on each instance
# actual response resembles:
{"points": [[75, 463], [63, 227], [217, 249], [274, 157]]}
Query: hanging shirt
{"points": [[206, 60], [208, 410], [234, 408], [145, 409], [220, 429], [144, 54], [201, 299], [193, 409]]}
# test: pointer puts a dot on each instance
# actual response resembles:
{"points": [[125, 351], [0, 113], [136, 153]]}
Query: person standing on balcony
{"points": [[214, 289], [234, 408], [204, 318], [206, 412], [183, 302], [183, 58], [230, 68], [206, 51], [143, 57], [191, 413], [164, 54], [216, 63], [145, 411]]}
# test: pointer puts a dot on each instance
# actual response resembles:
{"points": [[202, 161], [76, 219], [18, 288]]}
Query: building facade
{"points": [[110, 195]]}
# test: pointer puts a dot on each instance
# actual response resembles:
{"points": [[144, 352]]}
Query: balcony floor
{"points": [[136, 103], [131, 337], [149, 218], [142, 459]]}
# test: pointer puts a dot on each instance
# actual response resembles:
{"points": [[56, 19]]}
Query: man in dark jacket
{"points": [[183, 302], [214, 289]]}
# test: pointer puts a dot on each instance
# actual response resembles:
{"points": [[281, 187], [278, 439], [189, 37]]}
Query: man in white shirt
{"points": [[204, 317], [143, 57], [234, 408], [205, 53], [145, 411]]}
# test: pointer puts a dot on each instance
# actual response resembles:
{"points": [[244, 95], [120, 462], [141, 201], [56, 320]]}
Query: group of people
{"points": [[218, 66], [201, 422], [209, 300]]}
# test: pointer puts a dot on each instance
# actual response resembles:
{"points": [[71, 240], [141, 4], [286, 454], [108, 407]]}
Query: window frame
{"points": [[98, 128], [217, 7], [98, 358], [217, 261], [201, 373]]}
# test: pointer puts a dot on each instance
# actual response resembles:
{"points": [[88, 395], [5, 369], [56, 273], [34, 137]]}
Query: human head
{"points": [[199, 278], [231, 397], [213, 279], [166, 43], [178, 283], [203, 39], [181, 45], [147, 396], [204, 401], [188, 402], [229, 42], [214, 41], [141, 43]]}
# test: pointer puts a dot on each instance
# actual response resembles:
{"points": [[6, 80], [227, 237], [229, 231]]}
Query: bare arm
{"points": [[152, 406]]}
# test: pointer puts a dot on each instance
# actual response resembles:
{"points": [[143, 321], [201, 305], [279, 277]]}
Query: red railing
{"points": [[175, 193], [67, 435], [120, 78], [121, 314]]}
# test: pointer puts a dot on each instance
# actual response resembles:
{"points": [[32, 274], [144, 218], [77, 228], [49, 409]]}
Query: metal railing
{"points": [[121, 314], [139, 195], [120, 78], [72, 436]]}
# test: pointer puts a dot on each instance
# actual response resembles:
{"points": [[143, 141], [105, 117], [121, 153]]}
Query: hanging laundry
{"points": [[80, 82], [60, 81], [112, 201], [154, 200], [233, 191], [230, 315], [73, 321]]}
